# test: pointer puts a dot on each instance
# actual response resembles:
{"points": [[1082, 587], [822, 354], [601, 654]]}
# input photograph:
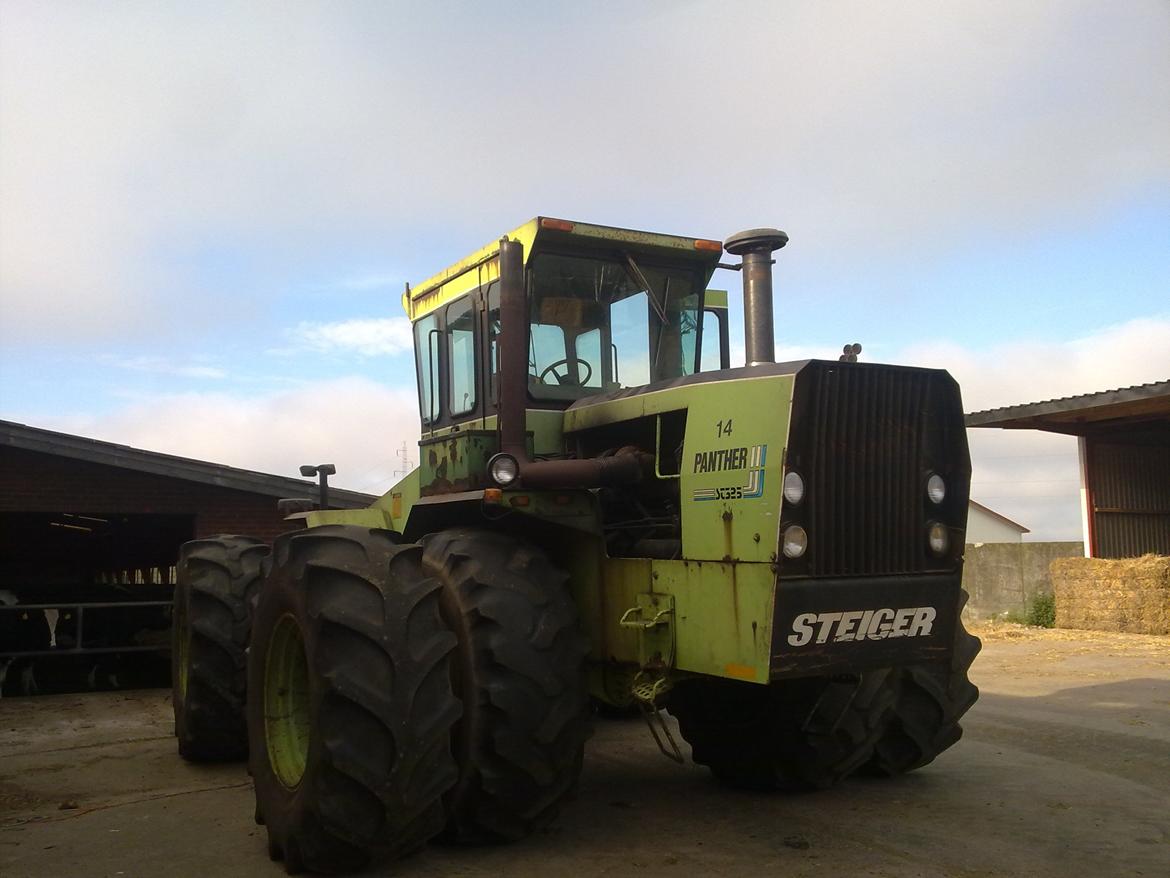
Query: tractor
{"points": [[605, 513]]}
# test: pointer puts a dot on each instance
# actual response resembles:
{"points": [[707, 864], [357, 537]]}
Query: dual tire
{"points": [[401, 692], [813, 733], [218, 583]]}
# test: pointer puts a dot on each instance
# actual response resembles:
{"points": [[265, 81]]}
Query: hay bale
{"points": [[1130, 595]]}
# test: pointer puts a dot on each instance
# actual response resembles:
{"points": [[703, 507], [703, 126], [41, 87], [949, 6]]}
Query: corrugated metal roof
{"points": [[28, 438], [1066, 414]]}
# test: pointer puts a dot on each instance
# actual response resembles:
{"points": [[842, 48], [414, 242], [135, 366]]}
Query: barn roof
{"points": [[1002, 518], [13, 435], [1088, 413]]}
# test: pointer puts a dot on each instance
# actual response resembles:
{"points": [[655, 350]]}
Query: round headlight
{"points": [[936, 488], [793, 487], [503, 469], [794, 541], [938, 538]]}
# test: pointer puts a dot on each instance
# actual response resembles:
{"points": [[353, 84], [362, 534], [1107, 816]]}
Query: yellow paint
{"points": [[480, 268], [483, 266], [396, 505]]}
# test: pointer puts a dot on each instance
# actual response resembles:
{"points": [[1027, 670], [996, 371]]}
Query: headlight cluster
{"points": [[938, 538], [503, 469], [794, 538]]}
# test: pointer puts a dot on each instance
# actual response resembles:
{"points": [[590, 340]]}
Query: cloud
{"points": [[361, 425], [1121, 355], [163, 366], [137, 136], [1027, 475], [352, 422], [369, 337]]}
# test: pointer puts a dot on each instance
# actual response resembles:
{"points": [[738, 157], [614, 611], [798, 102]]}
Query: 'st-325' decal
{"points": [[752, 459]]}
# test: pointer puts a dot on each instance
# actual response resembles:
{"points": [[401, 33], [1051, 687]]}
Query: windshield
{"points": [[599, 324]]}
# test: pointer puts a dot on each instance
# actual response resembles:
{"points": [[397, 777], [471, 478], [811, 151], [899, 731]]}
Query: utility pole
{"points": [[406, 467]]}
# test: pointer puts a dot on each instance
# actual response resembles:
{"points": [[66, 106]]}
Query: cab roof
{"points": [[483, 266]]}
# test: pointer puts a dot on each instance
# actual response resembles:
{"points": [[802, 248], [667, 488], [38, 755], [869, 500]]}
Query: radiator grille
{"points": [[867, 428]]}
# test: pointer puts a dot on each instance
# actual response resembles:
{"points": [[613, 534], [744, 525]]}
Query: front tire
{"points": [[931, 699], [214, 594], [350, 707], [520, 673], [798, 734]]}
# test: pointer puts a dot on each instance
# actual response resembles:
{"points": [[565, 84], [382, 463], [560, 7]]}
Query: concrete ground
{"points": [[1064, 770]]}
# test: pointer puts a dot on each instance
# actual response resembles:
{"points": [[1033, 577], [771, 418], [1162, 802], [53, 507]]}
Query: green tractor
{"points": [[604, 513]]}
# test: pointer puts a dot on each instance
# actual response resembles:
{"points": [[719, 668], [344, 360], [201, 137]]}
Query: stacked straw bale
{"points": [[1102, 594]]}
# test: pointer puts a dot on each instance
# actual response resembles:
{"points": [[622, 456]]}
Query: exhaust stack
{"points": [[756, 246]]}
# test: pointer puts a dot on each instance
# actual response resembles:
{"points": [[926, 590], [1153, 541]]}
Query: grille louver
{"points": [[865, 461]]}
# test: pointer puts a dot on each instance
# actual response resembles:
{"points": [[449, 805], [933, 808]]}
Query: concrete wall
{"points": [[1003, 577]]}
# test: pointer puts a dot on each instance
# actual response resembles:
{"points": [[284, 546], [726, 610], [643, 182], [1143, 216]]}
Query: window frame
{"points": [[469, 302], [602, 253]]}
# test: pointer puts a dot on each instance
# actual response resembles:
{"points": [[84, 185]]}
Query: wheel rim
{"points": [[286, 702], [183, 638]]}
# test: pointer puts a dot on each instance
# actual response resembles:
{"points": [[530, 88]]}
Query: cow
{"points": [[20, 631]]}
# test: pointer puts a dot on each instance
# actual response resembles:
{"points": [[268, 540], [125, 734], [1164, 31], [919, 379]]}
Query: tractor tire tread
{"points": [[522, 681], [380, 656], [217, 580]]}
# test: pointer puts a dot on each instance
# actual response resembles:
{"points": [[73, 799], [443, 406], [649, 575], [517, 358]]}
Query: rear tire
{"points": [[798, 734], [214, 595], [930, 701], [519, 671], [350, 707]]}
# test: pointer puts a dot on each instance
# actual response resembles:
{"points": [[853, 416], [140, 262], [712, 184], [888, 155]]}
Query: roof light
{"points": [[556, 224], [704, 244]]}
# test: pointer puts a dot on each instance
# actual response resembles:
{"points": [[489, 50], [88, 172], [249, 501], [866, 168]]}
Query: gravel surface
{"points": [[1064, 770]]}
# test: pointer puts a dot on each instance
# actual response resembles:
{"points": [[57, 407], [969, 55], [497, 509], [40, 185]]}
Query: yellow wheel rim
{"points": [[286, 702]]}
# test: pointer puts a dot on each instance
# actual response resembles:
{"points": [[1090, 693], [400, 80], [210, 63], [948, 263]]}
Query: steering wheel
{"points": [[551, 368]]}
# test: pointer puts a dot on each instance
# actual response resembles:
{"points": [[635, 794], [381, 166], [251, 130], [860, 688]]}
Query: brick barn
{"points": [[84, 521]]}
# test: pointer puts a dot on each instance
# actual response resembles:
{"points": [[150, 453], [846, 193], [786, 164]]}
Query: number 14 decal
{"points": [[724, 427]]}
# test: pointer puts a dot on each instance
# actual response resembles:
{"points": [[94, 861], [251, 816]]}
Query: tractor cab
{"points": [[604, 310]]}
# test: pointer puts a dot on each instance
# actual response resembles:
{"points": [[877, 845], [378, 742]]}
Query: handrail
{"points": [[79, 648]]}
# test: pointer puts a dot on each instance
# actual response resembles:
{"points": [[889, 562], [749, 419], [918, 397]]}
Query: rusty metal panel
{"points": [[455, 462], [1130, 487]]}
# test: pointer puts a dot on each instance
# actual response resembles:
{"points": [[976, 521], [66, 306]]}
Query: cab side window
{"points": [[426, 347], [461, 356]]}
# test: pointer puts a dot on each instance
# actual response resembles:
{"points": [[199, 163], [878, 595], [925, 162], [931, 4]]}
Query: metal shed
{"points": [[1124, 443]]}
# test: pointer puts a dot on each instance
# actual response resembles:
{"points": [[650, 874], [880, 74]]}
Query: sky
{"points": [[208, 211]]}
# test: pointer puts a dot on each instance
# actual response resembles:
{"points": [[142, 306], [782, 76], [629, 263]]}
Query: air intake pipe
{"points": [[756, 246]]}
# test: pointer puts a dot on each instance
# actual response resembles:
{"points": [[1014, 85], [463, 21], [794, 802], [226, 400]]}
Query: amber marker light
{"points": [[493, 495], [556, 224], [704, 244], [520, 500]]}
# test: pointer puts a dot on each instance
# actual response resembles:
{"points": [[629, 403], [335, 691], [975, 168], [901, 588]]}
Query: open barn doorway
{"points": [[85, 599]]}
